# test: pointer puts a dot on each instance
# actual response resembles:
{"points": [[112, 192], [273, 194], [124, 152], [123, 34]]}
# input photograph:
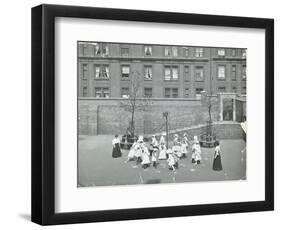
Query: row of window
{"points": [[101, 49], [171, 72], [103, 92]]}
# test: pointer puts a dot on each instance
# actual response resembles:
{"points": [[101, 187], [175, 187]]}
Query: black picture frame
{"points": [[43, 113]]}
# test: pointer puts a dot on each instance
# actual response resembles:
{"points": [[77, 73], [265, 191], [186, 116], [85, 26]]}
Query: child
{"points": [[145, 157], [162, 152], [154, 157], [162, 139], [171, 162], [184, 145], [177, 148], [198, 157], [196, 151], [138, 151], [132, 152]]}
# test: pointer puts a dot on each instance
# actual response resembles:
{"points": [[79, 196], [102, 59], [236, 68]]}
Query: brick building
{"points": [[173, 77], [168, 71]]}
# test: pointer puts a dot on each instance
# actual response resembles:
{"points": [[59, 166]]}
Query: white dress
{"points": [[138, 150], [171, 161], [197, 153], [177, 150], [162, 153], [132, 152], [145, 157], [184, 147]]}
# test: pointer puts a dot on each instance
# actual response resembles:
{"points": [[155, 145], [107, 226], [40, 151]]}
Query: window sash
{"points": [[175, 51], [199, 73], [125, 92], [148, 50], [101, 71], [125, 71], [199, 52], [221, 72], [167, 51], [221, 52], [124, 52], [148, 92], [148, 72], [168, 74]]}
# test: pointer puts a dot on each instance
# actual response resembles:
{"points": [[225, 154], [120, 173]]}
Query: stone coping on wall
{"points": [[199, 127]]}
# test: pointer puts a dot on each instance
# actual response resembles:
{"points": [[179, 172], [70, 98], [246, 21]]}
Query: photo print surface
{"points": [[152, 114]]}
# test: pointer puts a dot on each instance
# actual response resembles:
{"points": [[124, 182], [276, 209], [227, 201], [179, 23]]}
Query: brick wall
{"points": [[105, 116]]}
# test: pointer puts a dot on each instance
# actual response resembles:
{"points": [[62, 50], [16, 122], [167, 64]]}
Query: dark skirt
{"points": [[217, 166], [116, 152]]}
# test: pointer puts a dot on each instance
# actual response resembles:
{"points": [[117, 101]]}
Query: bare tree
{"points": [[134, 101]]}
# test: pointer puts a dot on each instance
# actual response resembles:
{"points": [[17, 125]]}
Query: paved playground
{"points": [[96, 166]]}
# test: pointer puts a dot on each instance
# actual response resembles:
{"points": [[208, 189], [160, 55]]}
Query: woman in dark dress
{"points": [[116, 152], [217, 166]]}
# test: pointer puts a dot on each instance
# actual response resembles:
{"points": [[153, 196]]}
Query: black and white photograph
{"points": [[160, 113]]}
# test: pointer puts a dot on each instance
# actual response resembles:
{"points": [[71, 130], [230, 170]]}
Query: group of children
{"points": [[150, 155]]}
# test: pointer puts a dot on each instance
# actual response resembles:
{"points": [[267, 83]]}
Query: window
{"points": [[175, 51], [171, 51], [221, 72], [101, 71], [147, 92], [199, 73], [221, 52], [167, 51], [171, 73], [186, 73], [171, 92], [147, 72], [84, 49], [147, 50], [198, 92], [101, 92], [186, 92], [125, 92], [85, 91], [233, 72], [233, 52], [244, 54], [125, 71], [221, 89], [185, 51], [234, 89], [101, 49], [244, 72], [84, 71], [199, 52], [124, 51]]}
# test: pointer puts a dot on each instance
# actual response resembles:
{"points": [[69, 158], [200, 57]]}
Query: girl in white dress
{"points": [[162, 152], [171, 162], [184, 145], [132, 152], [154, 157], [196, 151], [177, 148], [145, 157], [162, 139]]}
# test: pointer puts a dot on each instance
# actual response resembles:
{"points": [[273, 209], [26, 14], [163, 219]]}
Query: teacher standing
{"points": [[116, 152]]}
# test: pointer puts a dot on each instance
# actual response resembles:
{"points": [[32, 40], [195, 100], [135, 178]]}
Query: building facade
{"points": [[166, 71]]}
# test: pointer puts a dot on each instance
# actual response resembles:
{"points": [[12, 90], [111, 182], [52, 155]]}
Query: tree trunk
{"points": [[133, 122]]}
